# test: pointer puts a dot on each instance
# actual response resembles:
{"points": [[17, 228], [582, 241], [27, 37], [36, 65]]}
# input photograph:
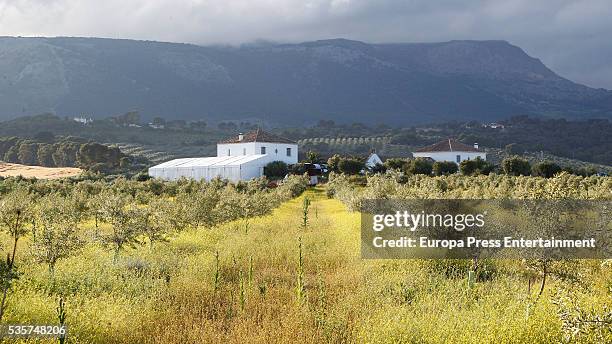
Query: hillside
{"points": [[286, 83]]}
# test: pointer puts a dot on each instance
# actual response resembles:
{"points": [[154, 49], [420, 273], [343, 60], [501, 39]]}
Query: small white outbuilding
{"points": [[242, 157], [373, 160], [450, 150]]}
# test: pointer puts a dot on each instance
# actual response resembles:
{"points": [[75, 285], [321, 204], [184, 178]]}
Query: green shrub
{"points": [[475, 167], [276, 170], [516, 166], [396, 164], [444, 167], [350, 166], [419, 166], [546, 169]]}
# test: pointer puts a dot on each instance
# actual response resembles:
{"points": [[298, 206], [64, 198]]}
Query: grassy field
{"points": [[259, 290]]}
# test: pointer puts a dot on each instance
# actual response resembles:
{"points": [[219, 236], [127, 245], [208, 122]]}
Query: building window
{"points": [[243, 151], [458, 158], [229, 152], [263, 150], [276, 151], [288, 151]]}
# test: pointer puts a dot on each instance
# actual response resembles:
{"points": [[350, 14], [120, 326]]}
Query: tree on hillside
{"points": [[516, 166], [513, 149], [45, 155], [65, 154], [28, 153], [44, 136], [93, 153], [11, 155], [407, 136]]}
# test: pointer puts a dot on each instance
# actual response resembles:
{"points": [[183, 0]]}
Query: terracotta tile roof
{"points": [[449, 145], [258, 136]]}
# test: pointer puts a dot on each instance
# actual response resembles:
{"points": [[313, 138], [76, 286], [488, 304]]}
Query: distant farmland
{"points": [[39, 172]]}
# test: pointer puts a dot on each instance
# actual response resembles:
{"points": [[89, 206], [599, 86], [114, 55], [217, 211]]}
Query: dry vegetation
{"points": [[296, 276], [39, 172]]}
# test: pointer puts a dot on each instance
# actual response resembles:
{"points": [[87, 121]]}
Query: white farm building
{"points": [[450, 150], [373, 160], [241, 157]]}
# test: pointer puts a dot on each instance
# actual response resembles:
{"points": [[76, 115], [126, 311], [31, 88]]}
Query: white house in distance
{"points": [[450, 150], [238, 158]]}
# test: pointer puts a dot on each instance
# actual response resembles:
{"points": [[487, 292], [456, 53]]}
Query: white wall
{"points": [[274, 151], [450, 156], [236, 149], [233, 173]]}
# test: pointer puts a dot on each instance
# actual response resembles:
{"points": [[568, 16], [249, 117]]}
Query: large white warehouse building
{"points": [[450, 150], [241, 157]]}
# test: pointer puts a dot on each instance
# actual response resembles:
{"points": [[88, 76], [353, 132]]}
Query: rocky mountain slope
{"points": [[286, 83]]}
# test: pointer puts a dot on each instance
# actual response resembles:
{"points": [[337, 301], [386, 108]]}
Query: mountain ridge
{"points": [[288, 83]]}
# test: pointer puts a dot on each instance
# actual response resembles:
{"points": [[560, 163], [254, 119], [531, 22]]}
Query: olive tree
{"points": [[56, 236], [516, 166], [153, 221], [202, 203], [123, 217], [15, 214]]}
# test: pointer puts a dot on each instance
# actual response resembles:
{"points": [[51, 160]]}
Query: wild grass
{"points": [[281, 282]]}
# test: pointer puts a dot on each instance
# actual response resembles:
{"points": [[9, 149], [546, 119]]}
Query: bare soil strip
{"points": [[39, 172]]}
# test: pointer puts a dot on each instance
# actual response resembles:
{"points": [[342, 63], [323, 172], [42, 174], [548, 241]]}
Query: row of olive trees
{"points": [[394, 184], [513, 166], [544, 220], [124, 213]]}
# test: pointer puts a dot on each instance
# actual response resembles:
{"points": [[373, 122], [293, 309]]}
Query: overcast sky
{"points": [[574, 38]]}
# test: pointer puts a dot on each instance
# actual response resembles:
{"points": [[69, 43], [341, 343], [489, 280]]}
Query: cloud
{"points": [[571, 37]]}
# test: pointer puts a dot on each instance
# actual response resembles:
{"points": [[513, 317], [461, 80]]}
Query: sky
{"points": [[573, 38]]}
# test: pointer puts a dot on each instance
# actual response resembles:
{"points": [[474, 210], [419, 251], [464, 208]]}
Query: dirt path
{"points": [[12, 170]]}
